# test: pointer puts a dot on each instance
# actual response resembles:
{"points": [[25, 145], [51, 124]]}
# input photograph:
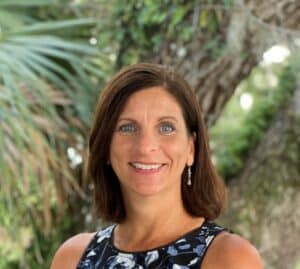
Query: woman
{"points": [[153, 176]]}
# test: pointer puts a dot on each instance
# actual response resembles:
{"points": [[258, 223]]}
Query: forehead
{"points": [[154, 100]]}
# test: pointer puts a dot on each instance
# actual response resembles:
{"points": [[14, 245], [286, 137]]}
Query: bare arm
{"points": [[232, 251], [69, 253]]}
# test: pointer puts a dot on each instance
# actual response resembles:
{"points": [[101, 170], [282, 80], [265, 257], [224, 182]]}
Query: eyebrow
{"points": [[168, 118], [160, 119]]}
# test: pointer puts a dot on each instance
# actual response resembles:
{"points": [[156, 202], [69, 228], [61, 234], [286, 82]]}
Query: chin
{"points": [[148, 191], [148, 185]]}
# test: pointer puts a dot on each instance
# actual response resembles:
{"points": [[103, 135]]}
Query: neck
{"points": [[153, 210], [152, 221]]}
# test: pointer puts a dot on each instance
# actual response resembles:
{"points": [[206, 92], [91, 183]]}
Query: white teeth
{"points": [[146, 166]]}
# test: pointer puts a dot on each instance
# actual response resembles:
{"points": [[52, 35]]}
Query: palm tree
{"points": [[49, 78]]}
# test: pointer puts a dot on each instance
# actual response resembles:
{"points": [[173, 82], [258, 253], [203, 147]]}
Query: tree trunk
{"points": [[264, 201], [243, 36]]}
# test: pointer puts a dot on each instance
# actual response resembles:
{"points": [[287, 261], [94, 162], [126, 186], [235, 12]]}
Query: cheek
{"points": [[178, 149], [119, 149], [116, 157]]}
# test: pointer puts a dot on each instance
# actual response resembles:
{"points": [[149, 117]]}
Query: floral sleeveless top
{"points": [[186, 252]]}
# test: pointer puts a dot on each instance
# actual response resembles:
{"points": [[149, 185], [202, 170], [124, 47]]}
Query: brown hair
{"points": [[206, 196]]}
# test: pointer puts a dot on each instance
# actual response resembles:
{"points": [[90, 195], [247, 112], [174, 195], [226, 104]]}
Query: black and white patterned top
{"points": [[186, 252]]}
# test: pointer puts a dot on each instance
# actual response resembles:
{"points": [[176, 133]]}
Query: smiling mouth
{"points": [[146, 167]]}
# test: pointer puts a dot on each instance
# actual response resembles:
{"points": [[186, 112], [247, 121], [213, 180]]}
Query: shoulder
{"points": [[69, 253], [231, 251]]}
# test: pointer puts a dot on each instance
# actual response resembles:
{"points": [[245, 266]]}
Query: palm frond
{"points": [[22, 3], [48, 85], [54, 26]]}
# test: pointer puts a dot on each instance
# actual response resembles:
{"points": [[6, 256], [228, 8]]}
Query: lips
{"points": [[146, 167]]}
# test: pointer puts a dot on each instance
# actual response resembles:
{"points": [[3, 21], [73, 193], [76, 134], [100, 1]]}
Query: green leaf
{"points": [[203, 19], [54, 26], [9, 3], [53, 42], [228, 3], [178, 15], [10, 20]]}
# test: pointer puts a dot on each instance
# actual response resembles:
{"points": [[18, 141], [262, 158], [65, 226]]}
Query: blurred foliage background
{"points": [[55, 56]]}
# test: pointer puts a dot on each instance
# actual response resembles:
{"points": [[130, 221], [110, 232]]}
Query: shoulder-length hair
{"points": [[205, 197]]}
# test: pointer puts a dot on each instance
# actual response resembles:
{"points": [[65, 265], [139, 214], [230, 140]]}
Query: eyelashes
{"points": [[127, 128], [166, 128], [163, 128]]}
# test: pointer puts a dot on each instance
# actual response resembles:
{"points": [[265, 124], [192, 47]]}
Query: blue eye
{"points": [[127, 128], [166, 128]]}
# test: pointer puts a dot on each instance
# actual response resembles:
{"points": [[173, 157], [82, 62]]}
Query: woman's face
{"points": [[150, 145]]}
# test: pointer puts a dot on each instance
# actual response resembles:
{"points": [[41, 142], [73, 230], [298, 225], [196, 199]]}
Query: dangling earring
{"points": [[189, 171]]}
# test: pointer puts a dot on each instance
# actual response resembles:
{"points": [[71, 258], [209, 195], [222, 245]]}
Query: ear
{"points": [[191, 155]]}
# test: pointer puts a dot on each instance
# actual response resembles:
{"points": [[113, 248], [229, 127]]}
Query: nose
{"points": [[146, 142]]}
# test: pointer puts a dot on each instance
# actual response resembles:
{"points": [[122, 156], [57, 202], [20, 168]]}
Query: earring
{"points": [[189, 171]]}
